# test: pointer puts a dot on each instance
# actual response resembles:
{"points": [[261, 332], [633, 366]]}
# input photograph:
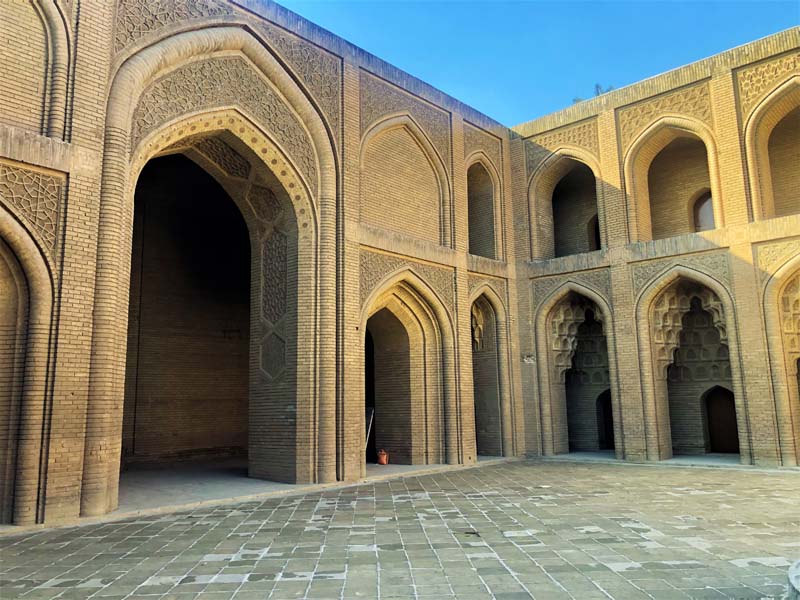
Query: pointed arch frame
{"points": [[101, 450], [758, 128], [503, 335], [552, 392], [498, 206], [639, 156], [542, 184], [655, 401]]}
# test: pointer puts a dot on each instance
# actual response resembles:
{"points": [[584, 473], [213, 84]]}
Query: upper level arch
{"points": [[565, 200], [404, 181], [771, 142], [484, 207], [39, 67], [665, 169]]}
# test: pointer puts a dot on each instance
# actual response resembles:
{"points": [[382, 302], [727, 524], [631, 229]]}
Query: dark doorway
{"points": [[369, 396], [187, 383], [605, 422], [388, 388], [723, 434]]}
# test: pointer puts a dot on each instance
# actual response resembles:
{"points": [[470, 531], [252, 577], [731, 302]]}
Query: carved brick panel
{"points": [[757, 81], [212, 83], [377, 265], [714, 264], [379, 98], [274, 266], [582, 135], [318, 70], [36, 199], [597, 280], [497, 285], [137, 18], [693, 101], [772, 256], [478, 139]]}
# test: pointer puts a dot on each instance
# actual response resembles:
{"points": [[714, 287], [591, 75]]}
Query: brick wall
{"points": [[392, 394], [188, 333], [23, 65], [677, 175], [400, 190], [784, 158]]}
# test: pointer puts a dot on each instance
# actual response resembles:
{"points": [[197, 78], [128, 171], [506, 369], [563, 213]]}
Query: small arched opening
{"points": [[720, 418], [575, 216], [784, 156], [676, 175], [481, 212]]}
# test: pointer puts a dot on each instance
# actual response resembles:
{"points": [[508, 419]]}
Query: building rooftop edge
{"points": [[771, 45]]}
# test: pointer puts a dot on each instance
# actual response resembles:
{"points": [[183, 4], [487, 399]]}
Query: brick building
{"points": [[226, 232]]}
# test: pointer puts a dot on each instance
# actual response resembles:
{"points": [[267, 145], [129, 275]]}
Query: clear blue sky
{"points": [[516, 61]]}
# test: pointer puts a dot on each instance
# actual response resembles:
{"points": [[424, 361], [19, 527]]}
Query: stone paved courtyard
{"points": [[515, 530]]}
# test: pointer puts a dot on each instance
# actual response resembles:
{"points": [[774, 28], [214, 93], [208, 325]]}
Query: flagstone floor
{"points": [[506, 531]]}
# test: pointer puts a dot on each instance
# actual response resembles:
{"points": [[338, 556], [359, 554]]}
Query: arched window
{"points": [[703, 213], [480, 212]]}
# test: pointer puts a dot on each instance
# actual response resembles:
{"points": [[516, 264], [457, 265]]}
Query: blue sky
{"points": [[516, 61]]}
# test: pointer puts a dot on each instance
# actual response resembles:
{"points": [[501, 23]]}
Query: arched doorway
{"points": [[572, 334], [691, 352], [486, 379], [587, 377], [187, 375], [720, 411], [605, 422], [13, 333], [388, 395]]}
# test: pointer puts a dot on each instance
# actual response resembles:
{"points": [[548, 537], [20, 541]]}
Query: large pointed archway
{"points": [[215, 69]]}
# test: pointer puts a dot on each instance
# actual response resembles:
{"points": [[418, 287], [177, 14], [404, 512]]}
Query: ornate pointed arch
{"points": [[507, 412], [498, 206], [101, 452], [404, 290], [655, 338], [556, 346], [781, 302], [640, 155]]}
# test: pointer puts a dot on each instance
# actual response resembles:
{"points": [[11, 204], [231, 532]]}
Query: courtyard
{"points": [[541, 529]]}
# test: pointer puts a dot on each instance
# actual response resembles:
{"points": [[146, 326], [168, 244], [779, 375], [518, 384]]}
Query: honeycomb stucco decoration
{"points": [[225, 81], [264, 203], [273, 355], [35, 198]]}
